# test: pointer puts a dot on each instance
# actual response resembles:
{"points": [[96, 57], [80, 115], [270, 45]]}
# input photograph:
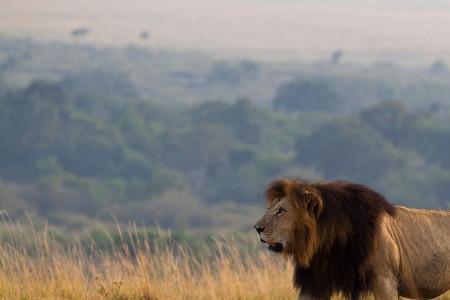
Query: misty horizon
{"points": [[414, 33]]}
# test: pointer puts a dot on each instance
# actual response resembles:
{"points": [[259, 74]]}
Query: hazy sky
{"points": [[406, 29]]}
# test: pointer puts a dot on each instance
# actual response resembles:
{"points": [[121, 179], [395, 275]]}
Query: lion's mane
{"points": [[331, 250]]}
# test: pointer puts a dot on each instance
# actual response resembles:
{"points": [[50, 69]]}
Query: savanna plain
{"points": [[188, 141], [34, 265]]}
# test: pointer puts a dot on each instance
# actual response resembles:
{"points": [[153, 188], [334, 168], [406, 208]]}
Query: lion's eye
{"points": [[280, 211]]}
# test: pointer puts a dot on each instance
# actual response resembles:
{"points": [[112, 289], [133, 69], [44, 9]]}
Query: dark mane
{"points": [[347, 228]]}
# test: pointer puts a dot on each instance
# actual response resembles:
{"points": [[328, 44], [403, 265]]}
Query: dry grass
{"points": [[40, 268]]}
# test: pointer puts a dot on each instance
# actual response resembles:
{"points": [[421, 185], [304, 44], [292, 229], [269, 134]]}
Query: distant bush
{"points": [[348, 149], [312, 94], [86, 132]]}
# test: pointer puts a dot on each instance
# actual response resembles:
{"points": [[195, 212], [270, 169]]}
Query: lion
{"points": [[345, 238]]}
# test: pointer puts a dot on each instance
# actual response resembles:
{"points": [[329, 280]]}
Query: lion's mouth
{"points": [[277, 247]]}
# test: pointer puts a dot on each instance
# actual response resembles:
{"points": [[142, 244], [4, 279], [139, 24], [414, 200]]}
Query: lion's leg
{"points": [[385, 288], [306, 297]]}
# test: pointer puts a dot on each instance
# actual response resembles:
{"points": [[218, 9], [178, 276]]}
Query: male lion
{"points": [[345, 238]]}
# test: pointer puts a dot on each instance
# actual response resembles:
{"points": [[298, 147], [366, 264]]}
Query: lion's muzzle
{"points": [[259, 228]]}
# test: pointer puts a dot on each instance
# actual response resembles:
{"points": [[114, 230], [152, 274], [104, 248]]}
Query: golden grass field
{"points": [[226, 270]]}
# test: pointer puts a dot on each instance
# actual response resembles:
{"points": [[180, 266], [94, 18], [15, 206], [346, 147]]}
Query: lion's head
{"points": [[289, 225]]}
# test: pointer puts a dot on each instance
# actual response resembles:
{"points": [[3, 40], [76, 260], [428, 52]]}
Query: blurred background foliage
{"points": [[188, 142]]}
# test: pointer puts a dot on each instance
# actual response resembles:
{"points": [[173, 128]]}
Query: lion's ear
{"points": [[313, 203]]}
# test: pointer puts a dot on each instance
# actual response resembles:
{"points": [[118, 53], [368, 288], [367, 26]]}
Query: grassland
{"points": [[33, 265], [38, 267]]}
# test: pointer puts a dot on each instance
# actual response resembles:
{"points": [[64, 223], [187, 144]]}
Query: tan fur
{"points": [[412, 254]]}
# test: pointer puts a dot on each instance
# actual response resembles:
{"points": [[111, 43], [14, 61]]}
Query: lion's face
{"points": [[276, 226], [289, 225]]}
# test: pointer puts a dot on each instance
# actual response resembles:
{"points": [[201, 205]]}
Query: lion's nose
{"points": [[259, 229]]}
